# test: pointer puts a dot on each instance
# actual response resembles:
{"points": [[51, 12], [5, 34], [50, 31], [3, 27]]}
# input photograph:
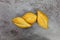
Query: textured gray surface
{"points": [[12, 8]]}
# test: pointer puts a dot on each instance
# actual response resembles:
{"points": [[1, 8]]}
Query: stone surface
{"points": [[12, 8]]}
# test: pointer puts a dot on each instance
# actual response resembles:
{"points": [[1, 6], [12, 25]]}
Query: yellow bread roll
{"points": [[20, 22], [30, 17], [42, 19]]}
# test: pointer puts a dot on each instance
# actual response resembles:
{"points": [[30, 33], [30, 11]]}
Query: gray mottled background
{"points": [[12, 8]]}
